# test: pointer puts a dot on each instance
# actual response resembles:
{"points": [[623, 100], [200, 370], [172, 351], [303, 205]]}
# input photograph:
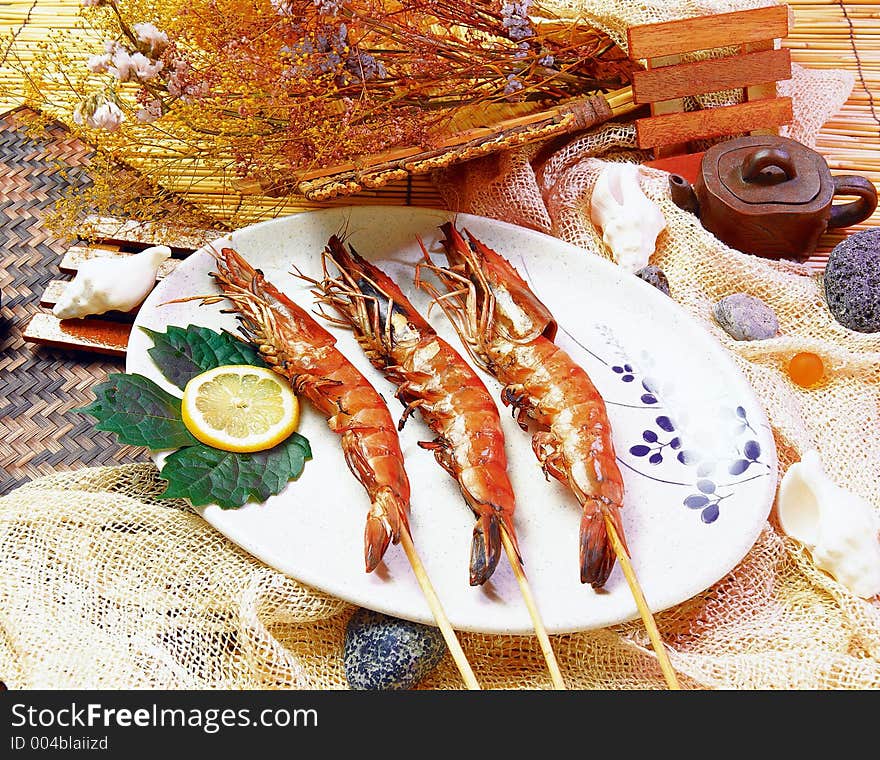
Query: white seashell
{"points": [[629, 220], [116, 283], [838, 527]]}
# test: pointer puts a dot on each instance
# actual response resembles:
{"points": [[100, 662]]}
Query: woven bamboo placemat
{"points": [[39, 388]]}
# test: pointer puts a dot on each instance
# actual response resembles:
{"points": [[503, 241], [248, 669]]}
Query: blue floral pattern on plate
{"points": [[661, 438]]}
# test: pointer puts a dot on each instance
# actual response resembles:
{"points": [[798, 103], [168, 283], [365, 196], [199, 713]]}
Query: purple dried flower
{"points": [[330, 53], [364, 67], [514, 84], [328, 7], [515, 19], [324, 7], [323, 56]]}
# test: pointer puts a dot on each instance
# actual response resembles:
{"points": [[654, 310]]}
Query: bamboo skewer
{"points": [[645, 611], [458, 655], [412, 555], [537, 622]]}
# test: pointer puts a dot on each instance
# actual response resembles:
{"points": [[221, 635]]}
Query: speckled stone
{"points": [[852, 281], [744, 317], [386, 653], [654, 276]]}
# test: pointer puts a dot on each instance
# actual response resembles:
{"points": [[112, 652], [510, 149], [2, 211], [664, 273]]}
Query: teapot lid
{"points": [[766, 169]]}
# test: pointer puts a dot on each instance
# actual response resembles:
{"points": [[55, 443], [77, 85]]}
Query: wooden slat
{"points": [[75, 255], [761, 91], [101, 336], [675, 105], [712, 122], [687, 165], [53, 292], [707, 32], [657, 84], [122, 231]]}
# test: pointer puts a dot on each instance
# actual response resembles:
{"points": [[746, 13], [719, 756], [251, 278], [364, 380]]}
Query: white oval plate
{"points": [[696, 451]]}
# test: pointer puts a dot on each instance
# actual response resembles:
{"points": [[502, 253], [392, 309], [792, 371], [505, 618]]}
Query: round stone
{"points": [[852, 281], [744, 317], [654, 276], [386, 653]]}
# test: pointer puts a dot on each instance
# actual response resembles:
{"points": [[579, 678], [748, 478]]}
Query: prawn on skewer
{"points": [[298, 348], [510, 333], [432, 377]]}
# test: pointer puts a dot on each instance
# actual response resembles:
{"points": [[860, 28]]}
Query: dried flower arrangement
{"points": [[274, 93]]}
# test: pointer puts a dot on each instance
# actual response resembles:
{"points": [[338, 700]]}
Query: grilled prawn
{"points": [[300, 349], [510, 333], [433, 378]]}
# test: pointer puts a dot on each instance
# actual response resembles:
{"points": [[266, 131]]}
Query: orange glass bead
{"points": [[806, 369]]}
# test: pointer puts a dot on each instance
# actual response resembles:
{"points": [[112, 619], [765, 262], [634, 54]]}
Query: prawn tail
{"points": [[486, 548], [385, 520], [597, 555]]}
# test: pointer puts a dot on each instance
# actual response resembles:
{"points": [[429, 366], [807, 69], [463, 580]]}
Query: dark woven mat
{"points": [[39, 387]]}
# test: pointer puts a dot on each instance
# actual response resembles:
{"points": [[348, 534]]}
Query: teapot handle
{"points": [[756, 161], [848, 214]]}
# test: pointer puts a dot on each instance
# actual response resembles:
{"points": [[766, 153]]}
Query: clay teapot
{"points": [[771, 196]]}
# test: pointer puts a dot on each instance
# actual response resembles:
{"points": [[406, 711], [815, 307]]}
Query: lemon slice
{"points": [[240, 408]]}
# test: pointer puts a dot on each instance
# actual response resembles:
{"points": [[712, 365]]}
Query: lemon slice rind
{"points": [[240, 408]]}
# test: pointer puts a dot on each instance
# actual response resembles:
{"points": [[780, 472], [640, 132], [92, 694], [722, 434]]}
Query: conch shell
{"points": [[629, 220], [838, 527], [116, 283]]}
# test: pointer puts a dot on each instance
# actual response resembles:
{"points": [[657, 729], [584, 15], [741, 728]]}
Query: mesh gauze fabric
{"points": [[103, 585]]}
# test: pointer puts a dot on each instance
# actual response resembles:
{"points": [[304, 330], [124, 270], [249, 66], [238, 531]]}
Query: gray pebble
{"points": [[385, 653], [744, 317], [852, 281], [654, 276]]}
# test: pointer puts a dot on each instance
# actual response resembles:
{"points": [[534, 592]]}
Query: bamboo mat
{"points": [[39, 388], [837, 35]]}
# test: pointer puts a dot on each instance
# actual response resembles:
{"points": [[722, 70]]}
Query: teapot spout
{"points": [[683, 194]]}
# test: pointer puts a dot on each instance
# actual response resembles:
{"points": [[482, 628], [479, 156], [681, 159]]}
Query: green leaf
{"points": [[181, 353], [205, 475], [139, 412]]}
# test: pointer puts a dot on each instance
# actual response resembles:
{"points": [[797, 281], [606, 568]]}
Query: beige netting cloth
{"points": [[104, 586]]}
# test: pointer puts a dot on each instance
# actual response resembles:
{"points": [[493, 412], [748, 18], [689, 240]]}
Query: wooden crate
{"points": [[756, 66]]}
